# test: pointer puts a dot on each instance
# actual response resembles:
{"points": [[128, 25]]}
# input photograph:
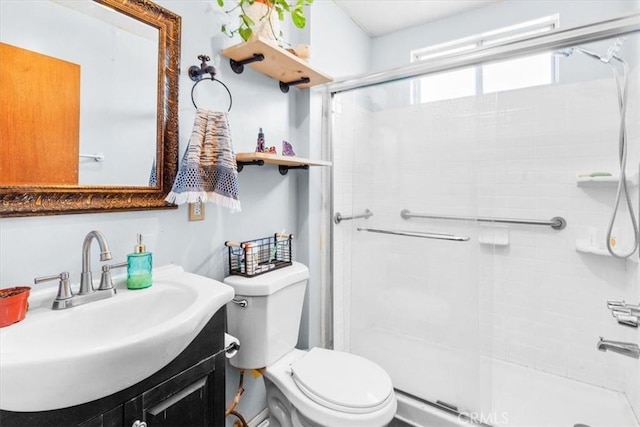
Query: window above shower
{"points": [[517, 73]]}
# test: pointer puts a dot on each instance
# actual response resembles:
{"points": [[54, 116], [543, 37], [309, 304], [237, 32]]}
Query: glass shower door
{"points": [[507, 326], [406, 290]]}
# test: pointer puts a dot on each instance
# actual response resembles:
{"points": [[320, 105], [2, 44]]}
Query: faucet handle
{"points": [[620, 310], [627, 319], [635, 309], [64, 289], [105, 279], [622, 306], [615, 304]]}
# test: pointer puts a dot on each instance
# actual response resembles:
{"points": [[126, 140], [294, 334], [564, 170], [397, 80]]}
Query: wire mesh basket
{"points": [[259, 256]]}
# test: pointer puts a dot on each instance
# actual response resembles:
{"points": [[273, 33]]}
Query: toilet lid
{"points": [[342, 381]]}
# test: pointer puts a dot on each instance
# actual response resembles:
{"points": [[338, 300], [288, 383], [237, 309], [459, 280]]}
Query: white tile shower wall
{"points": [[543, 304], [511, 154], [399, 291], [632, 386], [632, 379], [350, 123]]}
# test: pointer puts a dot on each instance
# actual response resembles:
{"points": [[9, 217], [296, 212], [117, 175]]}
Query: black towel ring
{"points": [[215, 80], [196, 74]]}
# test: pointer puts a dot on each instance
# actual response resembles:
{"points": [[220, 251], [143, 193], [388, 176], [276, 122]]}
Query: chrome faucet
{"points": [[86, 281], [624, 348], [66, 298]]}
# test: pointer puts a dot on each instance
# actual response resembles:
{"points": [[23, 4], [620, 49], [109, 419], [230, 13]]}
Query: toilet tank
{"points": [[268, 326]]}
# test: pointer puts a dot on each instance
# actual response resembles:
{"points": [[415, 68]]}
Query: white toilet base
{"points": [[289, 407], [281, 412]]}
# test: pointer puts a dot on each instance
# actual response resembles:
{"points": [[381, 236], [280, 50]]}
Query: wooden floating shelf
{"points": [[284, 163], [275, 62]]}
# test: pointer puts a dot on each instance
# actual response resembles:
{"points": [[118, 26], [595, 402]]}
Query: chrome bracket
{"points": [[241, 302]]}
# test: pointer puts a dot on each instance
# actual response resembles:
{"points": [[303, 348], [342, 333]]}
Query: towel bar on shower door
{"points": [[557, 222], [421, 234]]}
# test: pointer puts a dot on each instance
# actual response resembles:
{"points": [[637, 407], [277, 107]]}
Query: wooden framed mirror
{"points": [[121, 97]]}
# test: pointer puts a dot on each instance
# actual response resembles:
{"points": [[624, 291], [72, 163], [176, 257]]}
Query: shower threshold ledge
{"points": [[528, 396]]}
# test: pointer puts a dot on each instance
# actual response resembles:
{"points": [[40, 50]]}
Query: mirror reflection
{"points": [[80, 95]]}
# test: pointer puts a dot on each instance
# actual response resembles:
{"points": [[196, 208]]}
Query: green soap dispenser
{"points": [[139, 267]]}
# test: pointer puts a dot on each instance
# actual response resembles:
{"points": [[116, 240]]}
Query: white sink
{"points": [[59, 358]]}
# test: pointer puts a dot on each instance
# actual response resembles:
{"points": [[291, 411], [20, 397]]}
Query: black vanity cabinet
{"points": [[188, 392], [190, 406]]}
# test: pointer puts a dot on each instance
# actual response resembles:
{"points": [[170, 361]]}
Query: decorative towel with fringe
{"points": [[208, 170]]}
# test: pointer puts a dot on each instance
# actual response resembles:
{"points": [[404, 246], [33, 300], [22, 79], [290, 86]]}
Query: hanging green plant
{"points": [[266, 18]]}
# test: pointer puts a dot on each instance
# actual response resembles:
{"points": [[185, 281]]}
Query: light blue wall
{"points": [[338, 44], [37, 246], [44, 245], [340, 49]]}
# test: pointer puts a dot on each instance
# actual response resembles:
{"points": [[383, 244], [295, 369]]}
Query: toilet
{"points": [[305, 388]]}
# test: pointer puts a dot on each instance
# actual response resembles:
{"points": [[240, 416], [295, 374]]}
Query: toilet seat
{"points": [[279, 379], [342, 381]]}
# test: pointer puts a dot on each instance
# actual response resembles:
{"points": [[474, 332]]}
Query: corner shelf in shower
{"points": [[275, 62], [604, 181], [284, 163], [583, 245]]}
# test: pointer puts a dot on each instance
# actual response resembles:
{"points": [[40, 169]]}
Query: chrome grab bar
{"points": [[424, 235], [557, 222], [337, 218]]}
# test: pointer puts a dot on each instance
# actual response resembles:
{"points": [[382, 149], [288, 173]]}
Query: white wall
{"points": [[393, 50], [109, 121], [514, 154]]}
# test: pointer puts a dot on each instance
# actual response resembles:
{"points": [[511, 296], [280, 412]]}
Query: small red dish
{"points": [[13, 304]]}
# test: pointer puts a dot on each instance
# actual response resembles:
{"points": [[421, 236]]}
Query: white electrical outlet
{"points": [[196, 211]]}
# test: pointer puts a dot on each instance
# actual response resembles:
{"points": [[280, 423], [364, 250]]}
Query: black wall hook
{"points": [[284, 87], [238, 66], [196, 72]]}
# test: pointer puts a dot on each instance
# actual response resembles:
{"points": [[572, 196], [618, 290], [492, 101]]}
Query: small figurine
{"points": [[260, 144], [287, 149], [272, 150]]}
